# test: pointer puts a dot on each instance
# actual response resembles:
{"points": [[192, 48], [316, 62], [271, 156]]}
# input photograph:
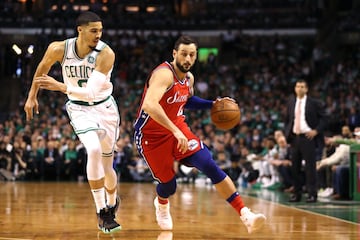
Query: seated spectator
{"points": [[341, 182], [139, 169], [346, 132], [341, 156], [282, 162], [123, 157], [248, 175], [221, 155], [70, 162], [81, 161], [324, 174], [339, 162], [31, 158], [185, 174], [5, 161], [50, 163], [222, 160], [234, 171], [19, 164], [269, 176]]}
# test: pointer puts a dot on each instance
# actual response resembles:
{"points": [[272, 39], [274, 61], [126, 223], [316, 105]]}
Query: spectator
{"points": [[50, 163], [234, 171], [69, 164], [282, 162], [139, 170], [269, 175], [19, 164], [339, 162], [122, 158], [5, 161], [31, 158]]}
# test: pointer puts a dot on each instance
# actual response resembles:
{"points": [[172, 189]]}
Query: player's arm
{"points": [[105, 61], [159, 82], [96, 81], [195, 102], [53, 54]]}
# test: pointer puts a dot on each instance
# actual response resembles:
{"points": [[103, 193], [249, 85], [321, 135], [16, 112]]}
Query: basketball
{"points": [[225, 114]]}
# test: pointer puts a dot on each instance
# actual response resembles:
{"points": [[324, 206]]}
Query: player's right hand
{"points": [[30, 107], [182, 145], [228, 98]]}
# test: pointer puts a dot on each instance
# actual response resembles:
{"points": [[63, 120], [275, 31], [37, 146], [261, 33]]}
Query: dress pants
{"points": [[304, 149]]}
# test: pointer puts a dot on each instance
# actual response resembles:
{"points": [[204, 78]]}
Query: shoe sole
{"points": [[110, 231]]}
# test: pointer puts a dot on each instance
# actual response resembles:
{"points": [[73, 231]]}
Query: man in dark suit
{"points": [[305, 123]]}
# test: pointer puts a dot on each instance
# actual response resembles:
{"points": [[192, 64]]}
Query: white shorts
{"points": [[104, 118]]}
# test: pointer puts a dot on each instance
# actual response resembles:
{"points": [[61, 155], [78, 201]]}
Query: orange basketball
{"points": [[225, 114]]}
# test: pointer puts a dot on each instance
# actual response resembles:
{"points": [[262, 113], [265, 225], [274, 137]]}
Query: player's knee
{"points": [[203, 161], [94, 153], [212, 171], [167, 189]]}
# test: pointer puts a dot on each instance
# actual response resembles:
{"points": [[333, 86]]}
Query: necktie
{"points": [[297, 117]]}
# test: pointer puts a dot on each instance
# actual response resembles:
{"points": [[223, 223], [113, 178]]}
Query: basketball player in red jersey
{"points": [[162, 135]]}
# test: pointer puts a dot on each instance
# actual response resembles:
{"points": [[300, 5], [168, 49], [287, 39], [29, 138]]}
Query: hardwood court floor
{"points": [[37, 211]]}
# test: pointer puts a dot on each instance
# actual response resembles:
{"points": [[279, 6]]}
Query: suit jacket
{"points": [[315, 117]]}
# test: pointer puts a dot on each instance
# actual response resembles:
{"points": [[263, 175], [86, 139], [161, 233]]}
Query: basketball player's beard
{"points": [[181, 68]]}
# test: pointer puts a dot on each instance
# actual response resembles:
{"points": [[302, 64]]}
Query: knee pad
{"points": [[203, 161], [165, 190]]}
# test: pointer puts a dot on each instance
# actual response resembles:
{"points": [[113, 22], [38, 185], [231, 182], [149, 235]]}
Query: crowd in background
{"points": [[258, 72], [179, 14]]}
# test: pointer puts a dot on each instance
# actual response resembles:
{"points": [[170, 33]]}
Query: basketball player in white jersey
{"points": [[87, 63]]}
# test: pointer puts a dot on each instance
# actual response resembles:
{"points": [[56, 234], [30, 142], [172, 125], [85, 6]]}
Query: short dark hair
{"points": [[302, 80], [185, 40], [86, 17]]}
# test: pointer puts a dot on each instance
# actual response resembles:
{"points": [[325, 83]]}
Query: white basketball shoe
{"points": [[253, 221], [163, 216]]}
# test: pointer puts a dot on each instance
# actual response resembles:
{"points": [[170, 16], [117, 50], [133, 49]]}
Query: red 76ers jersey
{"points": [[172, 102]]}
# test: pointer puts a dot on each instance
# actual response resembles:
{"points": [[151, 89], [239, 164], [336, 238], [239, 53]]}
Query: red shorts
{"points": [[160, 152]]}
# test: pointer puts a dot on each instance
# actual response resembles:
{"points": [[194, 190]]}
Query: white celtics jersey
{"points": [[76, 70]]}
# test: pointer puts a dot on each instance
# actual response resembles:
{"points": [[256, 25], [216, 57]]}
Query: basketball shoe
{"points": [[252, 221], [163, 216], [114, 208], [106, 221]]}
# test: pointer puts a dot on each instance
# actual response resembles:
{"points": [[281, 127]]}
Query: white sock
{"points": [[99, 198]]}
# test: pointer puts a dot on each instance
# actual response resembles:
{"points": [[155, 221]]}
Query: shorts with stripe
{"points": [[102, 117], [160, 151]]}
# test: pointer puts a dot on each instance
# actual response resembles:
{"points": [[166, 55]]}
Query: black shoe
{"points": [[311, 199], [114, 208], [296, 197], [106, 222]]}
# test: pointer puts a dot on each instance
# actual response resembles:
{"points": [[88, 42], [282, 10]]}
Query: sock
{"points": [[163, 201], [99, 198], [236, 202]]}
